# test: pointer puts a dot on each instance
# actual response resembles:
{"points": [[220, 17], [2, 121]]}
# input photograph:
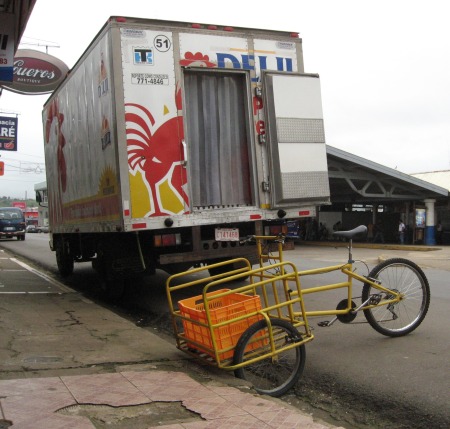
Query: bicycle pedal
{"points": [[324, 324]]}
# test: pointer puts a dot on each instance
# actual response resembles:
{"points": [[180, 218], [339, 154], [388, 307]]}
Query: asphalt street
{"points": [[351, 372]]}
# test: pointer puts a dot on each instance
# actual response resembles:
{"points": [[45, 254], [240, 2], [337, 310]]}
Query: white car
{"points": [[39, 229]]}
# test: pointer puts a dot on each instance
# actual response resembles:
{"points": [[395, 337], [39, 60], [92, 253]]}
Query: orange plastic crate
{"points": [[221, 309]]}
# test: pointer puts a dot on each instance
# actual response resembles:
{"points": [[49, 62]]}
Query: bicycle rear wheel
{"points": [[272, 376], [405, 277]]}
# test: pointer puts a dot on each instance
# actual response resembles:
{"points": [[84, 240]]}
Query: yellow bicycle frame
{"points": [[346, 269]]}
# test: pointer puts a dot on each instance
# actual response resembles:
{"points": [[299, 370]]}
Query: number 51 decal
{"points": [[162, 43]]}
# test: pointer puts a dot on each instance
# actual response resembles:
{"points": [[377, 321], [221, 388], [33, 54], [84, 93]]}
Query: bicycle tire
{"points": [[273, 378], [404, 276]]}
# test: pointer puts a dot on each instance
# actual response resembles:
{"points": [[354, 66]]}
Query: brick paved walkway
{"points": [[69, 402]]}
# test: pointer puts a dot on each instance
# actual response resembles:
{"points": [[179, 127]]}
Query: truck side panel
{"points": [[80, 145], [167, 143]]}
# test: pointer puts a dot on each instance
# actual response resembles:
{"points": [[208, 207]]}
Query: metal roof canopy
{"points": [[19, 11], [357, 180]]}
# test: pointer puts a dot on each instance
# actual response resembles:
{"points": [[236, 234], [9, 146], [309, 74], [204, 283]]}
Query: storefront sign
{"points": [[19, 204], [6, 47], [8, 133], [36, 72]]}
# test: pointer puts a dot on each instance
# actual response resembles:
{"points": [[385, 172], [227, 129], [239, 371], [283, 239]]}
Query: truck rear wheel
{"points": [[176, 267], [112, 288], [222, 270], [216, 271], [112, 284], [63, 259]]}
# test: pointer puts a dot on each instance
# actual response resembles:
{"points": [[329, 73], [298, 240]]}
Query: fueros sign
{"points": [[36, 72]]}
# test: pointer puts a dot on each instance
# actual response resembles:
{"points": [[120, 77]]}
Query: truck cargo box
{"points": [[186, 136]]}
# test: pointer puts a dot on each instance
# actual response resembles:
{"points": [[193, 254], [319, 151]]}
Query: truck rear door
{"points": [[296, 139]]}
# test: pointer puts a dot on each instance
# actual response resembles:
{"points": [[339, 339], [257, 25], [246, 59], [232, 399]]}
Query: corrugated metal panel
{"points": [[298, 130]]}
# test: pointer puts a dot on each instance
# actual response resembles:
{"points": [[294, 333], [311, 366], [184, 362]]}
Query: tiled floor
{"points": [[33, 403]]}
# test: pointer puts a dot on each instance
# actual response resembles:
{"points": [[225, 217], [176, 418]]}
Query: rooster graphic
{"points": [[54, 113], [53, 126], [157, 153]]}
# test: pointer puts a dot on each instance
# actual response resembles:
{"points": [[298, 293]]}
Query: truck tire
{"points": [[63, 259], [177, 267], [112, 288], [221, 270]]}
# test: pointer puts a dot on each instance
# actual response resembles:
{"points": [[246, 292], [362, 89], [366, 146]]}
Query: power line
{"points": [[39, 40], [5, 112], [46, 43], [23, 154], [26, 167], [32, 181]]}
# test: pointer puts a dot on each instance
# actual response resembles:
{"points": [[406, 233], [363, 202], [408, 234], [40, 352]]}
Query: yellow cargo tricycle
{"points": [[258, 329]]}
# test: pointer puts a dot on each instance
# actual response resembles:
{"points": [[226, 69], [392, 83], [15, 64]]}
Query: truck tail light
{"points": [[275, 229], [165, 240]]}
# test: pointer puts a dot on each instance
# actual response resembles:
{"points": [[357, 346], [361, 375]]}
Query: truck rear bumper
{"points": [[248, 251], [11, 234]]}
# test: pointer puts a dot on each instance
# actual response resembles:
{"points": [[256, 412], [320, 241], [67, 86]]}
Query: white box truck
{"points": [[170, 141]]}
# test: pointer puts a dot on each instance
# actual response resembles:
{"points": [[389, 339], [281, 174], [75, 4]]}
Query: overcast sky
{"points": [[384, 68]]}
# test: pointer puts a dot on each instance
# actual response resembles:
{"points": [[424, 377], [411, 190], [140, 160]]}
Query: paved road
{"points": [[356, 362], [352, 372]]}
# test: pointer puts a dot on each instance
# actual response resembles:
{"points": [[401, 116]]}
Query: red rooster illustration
{"points": [[55, 198], [158, 153], [52, 113]]}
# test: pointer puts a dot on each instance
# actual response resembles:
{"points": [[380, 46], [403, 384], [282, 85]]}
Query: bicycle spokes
{"points": [[401, 309]]}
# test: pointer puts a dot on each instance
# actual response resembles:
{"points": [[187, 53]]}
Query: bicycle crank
{"points": [[347, 317], [343, 318]]}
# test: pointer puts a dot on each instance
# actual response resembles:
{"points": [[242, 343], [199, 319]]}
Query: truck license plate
{"points": [[9, 228], [227, 234]]}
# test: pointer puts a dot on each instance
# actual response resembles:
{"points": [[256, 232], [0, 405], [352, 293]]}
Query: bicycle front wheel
{"points": [[275, 375], [404, 277]]}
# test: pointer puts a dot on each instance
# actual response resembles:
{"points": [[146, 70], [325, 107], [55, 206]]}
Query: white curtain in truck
{"points": [[217, 139]]}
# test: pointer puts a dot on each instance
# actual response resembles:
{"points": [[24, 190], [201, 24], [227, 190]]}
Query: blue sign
{"points": [[8, 133]]}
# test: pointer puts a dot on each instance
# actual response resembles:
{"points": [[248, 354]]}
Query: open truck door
{"points": [[296, 139], [218, 138]]}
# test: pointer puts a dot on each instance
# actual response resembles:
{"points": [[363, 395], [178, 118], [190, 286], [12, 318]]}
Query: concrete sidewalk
{"points": [[68, 363]]}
